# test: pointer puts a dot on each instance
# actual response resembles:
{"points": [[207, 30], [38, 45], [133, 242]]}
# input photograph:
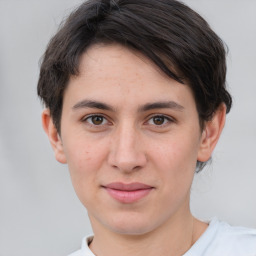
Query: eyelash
{"points": [[87, 118], [167, 120]]}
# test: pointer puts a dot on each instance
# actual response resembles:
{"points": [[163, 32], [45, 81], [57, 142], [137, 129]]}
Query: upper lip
{"points": [[127, 186]]}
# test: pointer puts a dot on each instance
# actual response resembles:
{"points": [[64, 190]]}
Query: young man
{"points": [[135, 102]]}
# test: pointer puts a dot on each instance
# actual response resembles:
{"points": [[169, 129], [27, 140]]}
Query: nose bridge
{"points": [[127, 152]]}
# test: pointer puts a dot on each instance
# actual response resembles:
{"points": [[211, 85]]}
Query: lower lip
{"points": [[128, 197]]}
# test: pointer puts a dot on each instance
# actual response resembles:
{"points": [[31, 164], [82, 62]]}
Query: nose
{"points": [[126, 150]]}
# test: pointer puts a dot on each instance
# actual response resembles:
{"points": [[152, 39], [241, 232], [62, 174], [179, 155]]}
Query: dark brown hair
{"points": [[169, 33]]}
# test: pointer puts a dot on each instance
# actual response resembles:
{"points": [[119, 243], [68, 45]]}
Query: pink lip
{"points": [[128, 193]]}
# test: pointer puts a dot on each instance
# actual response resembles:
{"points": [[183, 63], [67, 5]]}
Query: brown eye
{"points": [[96, 120], [158, 120]]}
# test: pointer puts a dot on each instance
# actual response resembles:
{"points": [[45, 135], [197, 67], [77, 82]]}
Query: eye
{"points": [[159, 120], [96, 120]]}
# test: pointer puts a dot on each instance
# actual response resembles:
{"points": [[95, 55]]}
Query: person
{"points": [[136, 100]]}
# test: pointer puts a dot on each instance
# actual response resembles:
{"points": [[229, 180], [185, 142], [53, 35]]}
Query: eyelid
{"points": [[85, 118], [166, 117], [108, 121]]}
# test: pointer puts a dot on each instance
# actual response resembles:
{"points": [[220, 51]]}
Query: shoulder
{"points": [[220, 238], [76, 253], [231, 240], [238, 239], [85, 250]]}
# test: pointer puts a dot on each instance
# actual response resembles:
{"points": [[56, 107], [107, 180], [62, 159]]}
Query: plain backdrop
{"points": [[39, 211]]}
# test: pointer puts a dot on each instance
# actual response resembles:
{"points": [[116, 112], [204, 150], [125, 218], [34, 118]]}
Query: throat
{"points": [[172, 242]]}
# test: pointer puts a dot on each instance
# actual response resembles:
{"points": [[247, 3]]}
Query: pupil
{"points": [[97, 120], [158, 120]]}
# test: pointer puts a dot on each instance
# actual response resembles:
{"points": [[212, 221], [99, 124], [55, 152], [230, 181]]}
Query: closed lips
{"points": [[128, 187], [128, 193]]}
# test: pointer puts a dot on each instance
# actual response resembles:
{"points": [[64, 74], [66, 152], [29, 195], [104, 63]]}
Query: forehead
{"points": [[108, 71], [110, 60]]}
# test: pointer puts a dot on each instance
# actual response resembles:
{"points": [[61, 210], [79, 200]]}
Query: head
{"points": [[176, 45], [174, 37]]}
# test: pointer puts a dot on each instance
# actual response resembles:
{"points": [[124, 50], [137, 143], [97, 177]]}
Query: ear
{"points": [[211, 134], [53, 136]]}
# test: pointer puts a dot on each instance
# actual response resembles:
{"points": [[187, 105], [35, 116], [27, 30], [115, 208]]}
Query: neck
{"points": [[173, 238]]}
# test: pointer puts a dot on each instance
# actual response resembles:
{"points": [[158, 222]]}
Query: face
{"points": [[131, 138]]}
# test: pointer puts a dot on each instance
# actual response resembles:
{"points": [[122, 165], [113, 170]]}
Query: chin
{"points": [[129, 231], [131, 226]]}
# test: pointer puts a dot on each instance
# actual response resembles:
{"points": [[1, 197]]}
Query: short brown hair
{"points": [[173, 36]]}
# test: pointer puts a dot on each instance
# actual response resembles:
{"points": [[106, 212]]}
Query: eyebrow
{"points": [[92, 104], [148, 106], [162, 104]]}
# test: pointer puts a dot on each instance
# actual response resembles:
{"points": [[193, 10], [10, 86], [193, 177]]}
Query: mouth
{"points": [[128, 193]]}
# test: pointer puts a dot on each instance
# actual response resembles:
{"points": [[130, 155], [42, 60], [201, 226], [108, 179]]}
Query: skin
{"points": [[112, 130]]}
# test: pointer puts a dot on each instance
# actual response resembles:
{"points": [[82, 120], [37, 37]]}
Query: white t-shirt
{"points": [[219, 239]]}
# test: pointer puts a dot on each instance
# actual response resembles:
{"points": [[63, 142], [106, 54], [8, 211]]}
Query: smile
{"points": [[128, 193]]}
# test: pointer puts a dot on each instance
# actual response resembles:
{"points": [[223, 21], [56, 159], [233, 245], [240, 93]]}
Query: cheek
{"points": [[84, 159], [175, 161], [84, 162], [176, 153], [177, 165]]}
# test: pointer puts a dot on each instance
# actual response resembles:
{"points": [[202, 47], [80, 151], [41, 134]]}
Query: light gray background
{"points": [[39, 212]]}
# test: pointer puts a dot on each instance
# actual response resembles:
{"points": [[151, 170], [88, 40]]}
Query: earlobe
{"points": [[211, 134], [53, 136]]}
